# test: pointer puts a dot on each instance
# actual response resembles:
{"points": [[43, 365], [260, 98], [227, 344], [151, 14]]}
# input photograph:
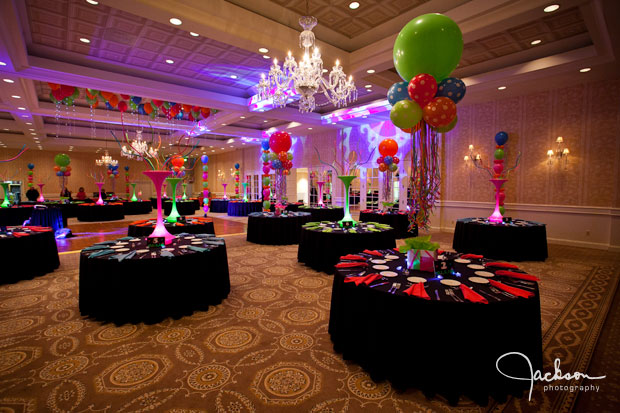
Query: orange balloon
{"points": [[383, 167], [186, 108], [148, 108], [106, 95], [113, 101], [54, 86], [388, 147], [439, 112]]}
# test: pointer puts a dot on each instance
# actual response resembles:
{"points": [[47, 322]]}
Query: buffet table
{"points": [[124, 281], [518, 240], [446, 343], [137, 207], [15, 215], [107, 212], [268, 228], [242, 209], [397, 220], [218, 205], [194, 225], [27, 252], [324, 214], [183, 207], [321, 245]]}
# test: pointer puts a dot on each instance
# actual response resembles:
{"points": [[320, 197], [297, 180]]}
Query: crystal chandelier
{"points": [[307, 76], [138, 149], [106, 160]]}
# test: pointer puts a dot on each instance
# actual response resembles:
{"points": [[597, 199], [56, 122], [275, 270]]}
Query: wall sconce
{"points": [[471, 157], [560, 154]]}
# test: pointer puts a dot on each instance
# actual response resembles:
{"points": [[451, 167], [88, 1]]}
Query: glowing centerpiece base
{"points": [[160, 230], [245, 191], [496, 216], [40, 198], [174, 213], [184, 197], [225, 196], [320, 185], [5, 203], [348, 219], [100, 200], [134, 198]]}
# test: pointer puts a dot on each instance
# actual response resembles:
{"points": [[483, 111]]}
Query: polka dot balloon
{"points": [[422, 89], [397, 92], [451, 88], [439, 112]]}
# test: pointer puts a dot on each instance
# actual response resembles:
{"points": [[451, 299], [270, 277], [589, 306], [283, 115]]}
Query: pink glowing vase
{"points": [[40, 198], [320, 185], [160, 229], [496, 216], [100, 200], [224, 185]]}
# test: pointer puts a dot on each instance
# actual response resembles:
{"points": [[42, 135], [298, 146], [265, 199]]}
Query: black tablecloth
{"points": [[397, 220], [266, 228], [15, 215], [324, 214], [48, 217], [197, 225], [183, 207], [147, 288], [242, 209], [137, 207], [94, 212], [218, 205], [442, 345], [69, 209], [519, 241], [28, 256], [322, 250], [154, 201]]}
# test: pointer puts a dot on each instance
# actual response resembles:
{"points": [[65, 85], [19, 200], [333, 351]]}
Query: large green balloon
{"points": [[405, 114], [62, 159], [431, 43]]}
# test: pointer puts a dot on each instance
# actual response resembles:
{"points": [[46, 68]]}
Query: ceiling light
{"points": [[266, 57], [585, 69], [33, 133], [169, 61], [84, 40], [551, 8], [233, 76], [354, 5], [9, 80], [231, 146], [223, 124], [371, 71], [93, 2], [210, 146], [194, 34], [368, 86], [24, 116], [265, 121], [5, 129], [21, 108], [31, 129], [263, 50], [16, 96], [213, 150], [309, 128], [535, 42], [242, 117], [175, 21], [2, 64], [501, 88]]}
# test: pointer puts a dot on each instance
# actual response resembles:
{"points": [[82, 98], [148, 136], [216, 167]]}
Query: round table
{"points": [[15, 215], [442, 345], [137, 207], [242, 209], [51, 217], [218, 205], [289, 207], [518, 240], [94, 212], [321, 248], [324, 214], [27, 252], [183, 207], [195, 225], [267, 228], [397, 220], [152, 284]]}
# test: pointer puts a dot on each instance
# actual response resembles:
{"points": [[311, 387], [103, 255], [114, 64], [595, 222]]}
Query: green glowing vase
{"points": [[5, 203], [348, 219], [174, 213], [184, 190], [134, 198]]}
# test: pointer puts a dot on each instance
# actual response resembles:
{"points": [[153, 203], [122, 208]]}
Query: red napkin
{"points": [[351, 264], [396, 250], [357, 280], [139, 222], [501, 265], [472, 296], [371, 277], [440, 251], [375, 253], [178, 224], [39, 229], [474, 256], [517, 275], [20, 234], [512, 290], [353, 257], [417, 290]]}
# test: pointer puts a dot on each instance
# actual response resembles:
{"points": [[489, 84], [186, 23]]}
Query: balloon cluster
{"points": [[498, 165], [205, 183], [112, 171], [237, 179], [178, 167], [279, 159], [127, 181], [426, 51], [30, 174], [63, 93], [388, 159], [62, 162]]}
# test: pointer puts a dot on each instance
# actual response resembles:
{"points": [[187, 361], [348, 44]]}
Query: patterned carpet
{"points": [[264, 349]]}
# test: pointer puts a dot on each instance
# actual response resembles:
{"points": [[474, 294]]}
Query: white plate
{"points": [[168, 249], [485, 274], [478, 280], [122, 250], [392, 257], [416, 280], [192, 237], [380, 267], [142, 251], [184, 246], [115, 247], [135, 240], [451, 283], [378, 261], [121, 243], [441, 257], [462, 261], [476, 267], [388, 273]]}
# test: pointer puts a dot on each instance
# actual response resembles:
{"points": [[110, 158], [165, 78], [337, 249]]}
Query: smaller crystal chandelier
{"points": [[106, 160], [307, 76], [138, 149]]}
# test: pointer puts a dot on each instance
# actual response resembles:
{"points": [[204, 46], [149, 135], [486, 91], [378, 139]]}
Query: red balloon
{"points": [[157, 103], [280, 142], [408, 130], [57, 168], [66, 90], [388, 147], [383, 167], [190, 117], [205, 112], [186, 108], [380, 160], [122, 106], [395, 160], [113, 101], [422, 89], [57, 94], [54, 86], [125, 96], [177, 161], [439, 112]]}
